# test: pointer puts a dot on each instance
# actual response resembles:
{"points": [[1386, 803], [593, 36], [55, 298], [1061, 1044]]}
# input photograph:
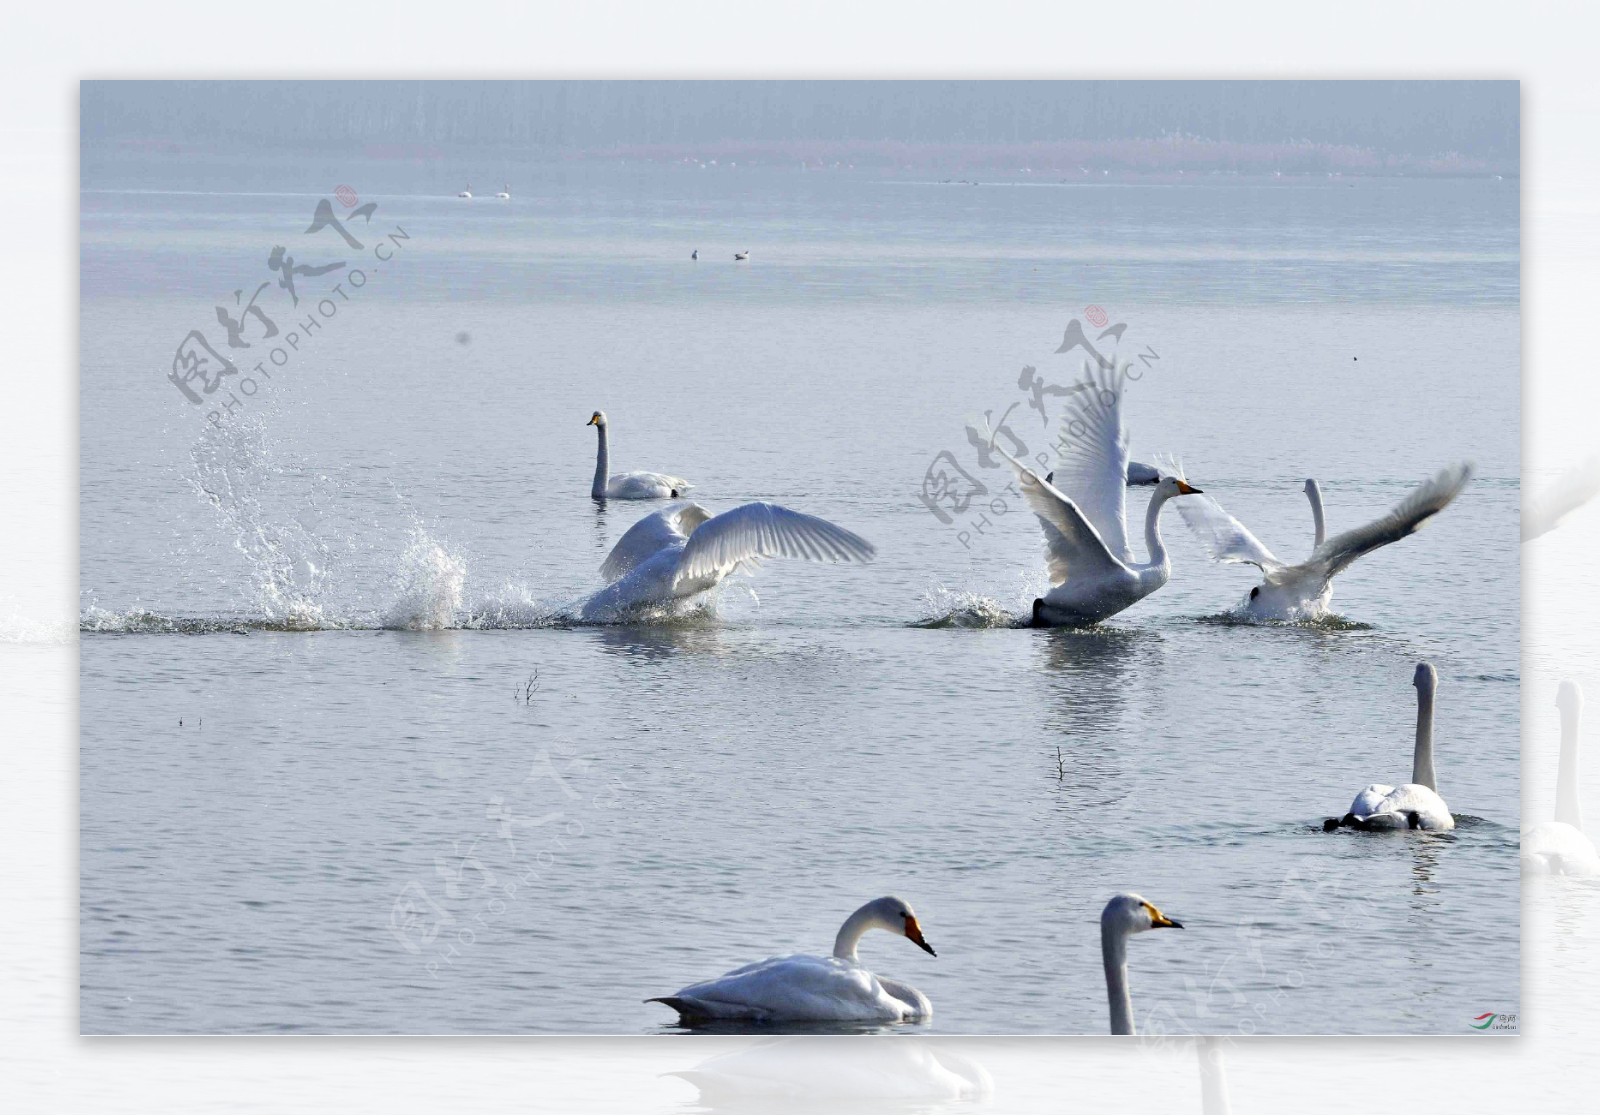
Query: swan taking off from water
{"points": [[683, 550], [629, 486], [1125, 916], [805, 988], [1417, 804], [1560, 847], [1081, 509], [1302, 591]]}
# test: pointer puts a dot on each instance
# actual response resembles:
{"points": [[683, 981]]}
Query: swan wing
{"points": [[1092, 446], [1573, 489], [1072, 545], [750, 532], [655, 532], [797, 987], [1224, 537], [1424, 502]]}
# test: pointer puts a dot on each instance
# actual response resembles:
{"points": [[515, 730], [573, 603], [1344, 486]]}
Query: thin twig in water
{"points": [[1061, 765], [526, 691]]}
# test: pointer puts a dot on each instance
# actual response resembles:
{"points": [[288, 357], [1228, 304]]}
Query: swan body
{"points": [[807, 988], [1560, 847], [1081, 508], [506, 193], [467, 193], [1417, 804], [1123, 917], [1302, 591], [640, 485], [683, 550]]}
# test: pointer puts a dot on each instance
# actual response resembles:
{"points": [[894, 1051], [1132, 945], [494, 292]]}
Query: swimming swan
{"points": [[1417, 804], [467, 193], [1302, 592], [1081, 508], [629, 486], [1125, 916], [683, 550], [805, 988], [506, 193], [1560, 847]]}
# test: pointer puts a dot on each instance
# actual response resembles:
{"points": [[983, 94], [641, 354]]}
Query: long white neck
{"points": [[1319, 525], [1114, 949], [601, 460], [1422, 758], [844, 946], [1152, 530], [1567, 808]]}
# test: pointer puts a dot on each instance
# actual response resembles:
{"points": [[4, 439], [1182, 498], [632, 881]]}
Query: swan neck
{"points": [[601, 461], [1318, 523], [1114, 948], [1567, 808], [1152, 529], [844, 946], [1422, 758]]}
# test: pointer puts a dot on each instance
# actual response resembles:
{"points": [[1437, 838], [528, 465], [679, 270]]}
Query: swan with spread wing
{"points": [[1081, 509], [683, 550], [1302, 591]]}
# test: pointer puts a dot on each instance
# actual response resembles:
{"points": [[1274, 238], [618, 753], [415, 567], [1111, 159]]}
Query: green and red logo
{"points": [[1494, 1021]]}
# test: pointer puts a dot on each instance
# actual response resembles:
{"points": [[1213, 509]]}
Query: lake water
{"points": [[344, 768]]}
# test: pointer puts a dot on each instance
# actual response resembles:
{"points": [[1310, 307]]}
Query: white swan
{"points": [[1302, 591], [1081, 508], [683, 550], [805, 988], [506, 193], [1417, 804], [1125, 916], [628, 486], [467, 193], [1560, 847]]}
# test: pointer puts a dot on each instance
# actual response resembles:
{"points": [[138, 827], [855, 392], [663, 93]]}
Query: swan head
{"points": [[596, 419], [1569, 697], [1168, 487], [897, 917], [1310, 486], [1134, 914], [1426, 680]]}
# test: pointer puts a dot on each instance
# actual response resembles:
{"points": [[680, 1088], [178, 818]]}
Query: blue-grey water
{"points": [[344, 769]]}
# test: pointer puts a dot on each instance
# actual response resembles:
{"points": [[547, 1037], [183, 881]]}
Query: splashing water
{"points": [[428, 586]]}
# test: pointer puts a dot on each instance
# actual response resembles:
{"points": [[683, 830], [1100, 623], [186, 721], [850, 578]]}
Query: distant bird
{"points": [[506, 193], [1302, 591], [1414, 805], [741, 255], [628, 486], [695, 255], [467, 193]]}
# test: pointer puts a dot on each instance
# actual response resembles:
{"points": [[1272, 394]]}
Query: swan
{"points": [[1126, 915], [683, 550], [505, 193], [467, 193], [1560, 847], [1302, 591], [1417, 804], [1092, 571], [741, 255], [629, 486], [802, 987]]}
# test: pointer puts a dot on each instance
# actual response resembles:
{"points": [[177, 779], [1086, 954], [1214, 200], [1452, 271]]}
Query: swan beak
{"points": [[1159, 920], [914, 932], [591, 422], [1187, 489]]}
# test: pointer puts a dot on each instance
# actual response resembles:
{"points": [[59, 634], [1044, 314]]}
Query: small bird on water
{"points": [[695, 255]]}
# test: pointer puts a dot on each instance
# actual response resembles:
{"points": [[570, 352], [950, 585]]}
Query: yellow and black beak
{"points": [[1159, 921], [914, 932], [592, 420], [1187, 489]]}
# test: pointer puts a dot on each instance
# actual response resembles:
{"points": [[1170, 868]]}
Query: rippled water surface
{"points": [[346, 767]]}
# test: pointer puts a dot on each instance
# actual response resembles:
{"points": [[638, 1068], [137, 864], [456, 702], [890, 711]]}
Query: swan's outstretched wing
{"points": [[717, 545], [672, 524], [1573, 489], [1425, 501], [1225, 538], [1072, 544], [1092, 470]]}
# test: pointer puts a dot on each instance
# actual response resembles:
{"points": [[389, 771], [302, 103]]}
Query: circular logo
{"points": [[1097, 317], [347, 197]]}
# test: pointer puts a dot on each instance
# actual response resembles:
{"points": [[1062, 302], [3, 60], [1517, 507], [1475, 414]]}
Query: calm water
{"points": [[344, 770]]}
